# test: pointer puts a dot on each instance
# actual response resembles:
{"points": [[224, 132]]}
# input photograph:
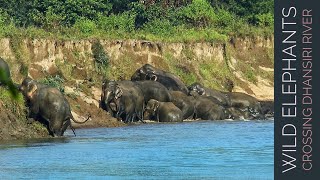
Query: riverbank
{"points": [[74, 67]]}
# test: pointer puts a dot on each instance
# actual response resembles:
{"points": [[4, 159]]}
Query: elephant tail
{"points": [[79, 122], [73, 130]]}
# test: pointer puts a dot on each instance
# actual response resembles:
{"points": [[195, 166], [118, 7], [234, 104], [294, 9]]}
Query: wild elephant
{"points": [[244, 101], [163, 111], [267, 108], [107, 96], [123, 99], [154, 90], [4, 72], [203, 91], [184, 103], [47, 104], [237, 113], [169, 80], [206, 109]]}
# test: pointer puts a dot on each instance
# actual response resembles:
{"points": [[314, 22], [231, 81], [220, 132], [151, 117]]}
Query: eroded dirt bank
{"points": [[248, 62]]}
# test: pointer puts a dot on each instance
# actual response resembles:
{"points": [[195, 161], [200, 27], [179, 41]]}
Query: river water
{"points": [[191, 150]]}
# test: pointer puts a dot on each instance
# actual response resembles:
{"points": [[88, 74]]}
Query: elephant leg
{"points": [[133, 117], [65, 125], [110, 111], [128, 118], [140, 117], [50, 129]]}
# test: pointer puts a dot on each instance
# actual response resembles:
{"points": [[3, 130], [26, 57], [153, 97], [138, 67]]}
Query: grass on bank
{"points": [[178, 34], [14, 104]]}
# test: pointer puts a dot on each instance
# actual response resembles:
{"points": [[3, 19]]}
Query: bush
{"points": [[6, 25], [14, 104], [101, 58], [149, 20], [159, 27], [52, 20], [265, 20], [85, 26], [124, 22], [198, 14], [54, 81]]}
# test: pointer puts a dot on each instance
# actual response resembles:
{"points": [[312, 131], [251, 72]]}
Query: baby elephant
{"points": [[163, 111]]}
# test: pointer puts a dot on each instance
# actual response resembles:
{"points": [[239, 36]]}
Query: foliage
{"points": [[4, 81], [248, 72], [124, 69], [101, 58], [160, 20], [85, 26], [54, 81], [250, 10], [124, 22], [13, 103], [199, 13], [215, 73]]}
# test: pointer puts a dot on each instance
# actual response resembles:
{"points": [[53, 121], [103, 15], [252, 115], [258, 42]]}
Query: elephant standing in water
{"points": [[123, 99], [246, 102], [169, 80], [163, 111], [153, 90], [184, 103], [203, 91], [48, 104], [207, 109]]}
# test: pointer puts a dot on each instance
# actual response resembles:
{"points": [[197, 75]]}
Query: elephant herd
{"points": [[151, 94], [161, 96]]}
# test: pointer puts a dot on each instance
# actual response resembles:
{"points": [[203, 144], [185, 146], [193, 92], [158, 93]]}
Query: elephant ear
{"points": [[104, 83], [32, 87], [153, 77], [118, 93], [141, 71], [113, 106], [202, 92], [156, 106]]}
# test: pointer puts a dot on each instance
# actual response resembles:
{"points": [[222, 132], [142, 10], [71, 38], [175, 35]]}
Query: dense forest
{"points": [[163, 20]]}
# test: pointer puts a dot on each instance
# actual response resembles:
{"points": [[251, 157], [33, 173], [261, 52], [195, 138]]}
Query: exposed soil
{"points": [[99, 117], [73, 61], [12, 127]]}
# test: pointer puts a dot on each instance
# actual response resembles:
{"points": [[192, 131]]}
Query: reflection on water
{"points": [[33, 142], [205, 149]]}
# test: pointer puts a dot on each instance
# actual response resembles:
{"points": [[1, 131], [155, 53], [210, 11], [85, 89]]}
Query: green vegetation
{"points": [[101, 58], [123, 69], [215, 74], [54, 81], [14, 104], [159, 20]]}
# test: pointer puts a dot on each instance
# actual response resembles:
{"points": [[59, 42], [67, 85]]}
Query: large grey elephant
{"points": [[163, 111], [48, 105], [244, 101], [184, 103], [169, 80], [206, 109], [123, 99], [154, 90], [238, 113], [203, 91]]}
